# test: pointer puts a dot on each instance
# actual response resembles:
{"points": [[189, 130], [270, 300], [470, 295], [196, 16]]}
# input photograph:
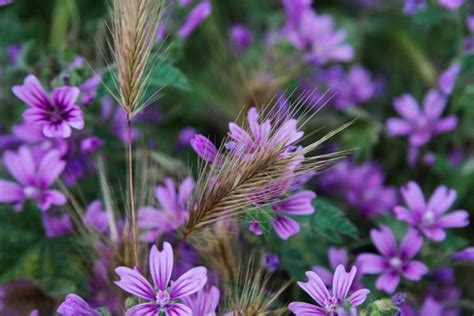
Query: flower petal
{"points": [[204, 148], [358, 297], [32, 93], [441, 199], [315, 288], [161, 265], [371, 264], [144, 309], [446, 124], [404, 214], [414, 197], [189, 283], [134, 283], [305, 309], [411, 244], [407, 106], [384, 241], [338, 256], [21, 165], [65, 97], [414, 270], [454, 219], [285, 227], [342, 281], [298, 203], [50, 168], [388, 282], [434, 104], [397, 127], [10, 192]]}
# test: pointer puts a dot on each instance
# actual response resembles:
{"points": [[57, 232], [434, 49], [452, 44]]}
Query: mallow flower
{"points": [[420, 125], [203, 303], [393, 261], [430, 217], [162, 296], [331, 303], [56, 115], [336, 256], [34, 179], [451, 4], [197, 15], [74, 305]]}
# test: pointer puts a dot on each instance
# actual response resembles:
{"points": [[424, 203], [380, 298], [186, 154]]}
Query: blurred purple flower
{"points": [[91, 144], [468, 46], [430, 218], [5, 2], [447, 79], [204, 303], [394, 261], [271, 262], [55, 226], [35, 313], [194, 18], [465, 254], [57, 115], [420, 126], [241, 37], [172, 213], [14, 52], [362, 186], [88, 89], [162, 295], [451, 4], [470, 22], [96, 217], [337, 256], [184, 3], [398, 298], [204, 148], [118, 118], [74, 305], [329, 303], [160, 32], [412, 6], [185, 137], [34, 179], [315, 34]]}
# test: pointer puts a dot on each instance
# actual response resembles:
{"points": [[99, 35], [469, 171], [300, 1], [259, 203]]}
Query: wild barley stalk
{"points": [[133, 26]]}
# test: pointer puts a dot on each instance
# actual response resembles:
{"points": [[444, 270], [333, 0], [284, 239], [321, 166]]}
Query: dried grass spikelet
{"points": [[239, 181], [133, 27], [252, 294]]}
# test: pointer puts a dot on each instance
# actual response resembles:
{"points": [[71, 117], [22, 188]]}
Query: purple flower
{"points": [[88, 89], [96, 217], [337, 256], [118, 118], [398, 298], [204, 303], [162, 295], [241, 37], [194, 18], [393, 262], [470, 22], [448, 78], [5, 2], [412, 6], [172, 213], [420, 126], [430, 307], [315, 34], [430, 218], [14, 52], [35, 313], [204, 148], [55, 226], [184, 138], [329, 303], [91, 144], [56, 115], [465, 254], [74, 305], [34, 179], [451, 4], [271, 262], [362, 186]]}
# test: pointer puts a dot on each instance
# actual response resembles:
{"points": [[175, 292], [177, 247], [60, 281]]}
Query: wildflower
{"points": [[412, 6], [448, 78], [430, 217], [56, 115], [470, 22], [204, 303], [393, 262], [420, 126], [362, 186], [337, 256], [315, 34], [194, 18], [172, 213], [88, 89], [35, 313], [34, 179], [74, 305], [90, 144], [451, 4], [5, 2], [465, 254], [271, 262], [185, 137], [329, 303], [241, 37], [204, 148], [96, 217], [56, 226], [162, 296]]}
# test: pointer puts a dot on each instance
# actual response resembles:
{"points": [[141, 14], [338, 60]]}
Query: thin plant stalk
{"points": [[131, 190]]}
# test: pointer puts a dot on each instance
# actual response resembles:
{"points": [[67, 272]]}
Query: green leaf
{"points": [[52, 264], [263, 215], [331, 223], [165, 74], [104, 312], [131, 301]]}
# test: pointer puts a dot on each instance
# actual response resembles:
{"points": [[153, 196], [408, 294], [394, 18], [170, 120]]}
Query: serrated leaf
{"points": [[330, 222], [165, 74]]}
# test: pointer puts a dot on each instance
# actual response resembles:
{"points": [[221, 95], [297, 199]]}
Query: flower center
{"points": [[422, 123], [428, 218], [396, 263], [162, 298], [31, 192], [330, 304]]}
